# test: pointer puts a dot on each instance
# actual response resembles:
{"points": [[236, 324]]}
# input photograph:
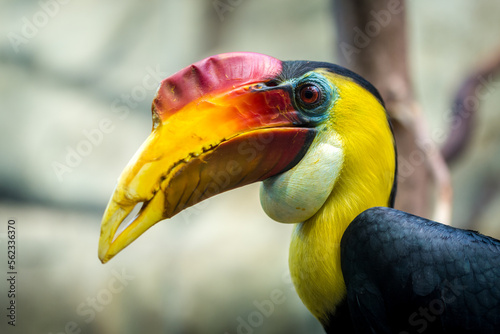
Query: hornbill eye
{"points": [[313, 96], [310, 95]]}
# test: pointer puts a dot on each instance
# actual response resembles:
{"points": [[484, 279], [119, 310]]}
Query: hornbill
{"points": [[319, 138]]}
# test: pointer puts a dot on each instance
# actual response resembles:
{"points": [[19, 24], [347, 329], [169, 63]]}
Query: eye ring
{"points": [[314, 96], [310, 95]]}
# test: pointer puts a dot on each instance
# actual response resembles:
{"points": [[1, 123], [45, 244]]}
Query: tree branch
{"points": [[465, 106], [372, 42]]}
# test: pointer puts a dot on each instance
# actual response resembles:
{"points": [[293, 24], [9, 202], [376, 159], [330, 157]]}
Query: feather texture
{"points": [[407, 274]]}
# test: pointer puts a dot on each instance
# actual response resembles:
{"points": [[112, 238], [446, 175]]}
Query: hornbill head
{"points": [[310, 130]]}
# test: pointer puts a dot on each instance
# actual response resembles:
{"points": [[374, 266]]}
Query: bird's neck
{"points": [[315, 263], [366, 181], [315, 253]]}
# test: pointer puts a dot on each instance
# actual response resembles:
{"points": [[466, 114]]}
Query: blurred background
{"points": [[76, 84]]}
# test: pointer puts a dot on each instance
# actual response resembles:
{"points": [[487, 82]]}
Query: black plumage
{"points": [[406, 274]]}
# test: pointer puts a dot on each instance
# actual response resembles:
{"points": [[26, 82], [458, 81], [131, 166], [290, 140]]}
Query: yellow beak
{"points": [[216, 126]]}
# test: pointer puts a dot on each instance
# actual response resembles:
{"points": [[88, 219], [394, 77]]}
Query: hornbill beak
{"points": [[218, 124]]}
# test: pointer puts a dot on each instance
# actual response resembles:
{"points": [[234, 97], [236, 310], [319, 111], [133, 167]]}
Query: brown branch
{"points": [[465, 106], [372, 42]]}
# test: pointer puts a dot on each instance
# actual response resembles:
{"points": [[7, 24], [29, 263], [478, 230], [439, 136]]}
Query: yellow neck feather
{"points": [[365, 181]]}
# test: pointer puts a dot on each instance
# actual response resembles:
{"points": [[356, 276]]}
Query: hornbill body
{"points": [[323, 146]]}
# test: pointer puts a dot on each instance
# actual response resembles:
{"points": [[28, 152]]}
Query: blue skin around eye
{"points": [[318, 113]]}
